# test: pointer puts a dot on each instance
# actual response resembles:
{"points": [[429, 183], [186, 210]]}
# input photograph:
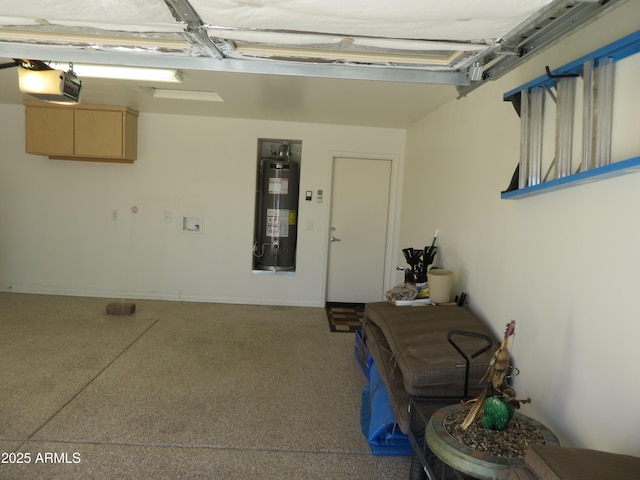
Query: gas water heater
{"points": [[277, 221]]}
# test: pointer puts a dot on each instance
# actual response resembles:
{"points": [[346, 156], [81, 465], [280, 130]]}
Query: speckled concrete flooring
{"points": [[179, 391]]}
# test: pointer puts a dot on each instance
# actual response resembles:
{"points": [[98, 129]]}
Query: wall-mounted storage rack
{"points": [[595, 71]]}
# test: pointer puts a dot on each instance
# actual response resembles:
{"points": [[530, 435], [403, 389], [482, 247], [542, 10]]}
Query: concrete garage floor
{"points": [[179, 391]]}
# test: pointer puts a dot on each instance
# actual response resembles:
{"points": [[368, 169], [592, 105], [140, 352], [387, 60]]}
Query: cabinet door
{"points": [[49, 131], [99, 133]]}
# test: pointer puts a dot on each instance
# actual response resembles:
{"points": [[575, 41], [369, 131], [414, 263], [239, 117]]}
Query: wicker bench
{"points": [[411, 349]]}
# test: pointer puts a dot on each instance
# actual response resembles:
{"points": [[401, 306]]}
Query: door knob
{"points": [[334, 239]]}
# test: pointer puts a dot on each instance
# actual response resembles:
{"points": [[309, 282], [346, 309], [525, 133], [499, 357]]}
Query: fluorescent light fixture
{"points": [[200, 96], [121, 73]]}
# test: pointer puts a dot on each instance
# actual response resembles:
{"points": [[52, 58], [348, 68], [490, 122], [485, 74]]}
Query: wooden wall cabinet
{"points": [[82, 132]]}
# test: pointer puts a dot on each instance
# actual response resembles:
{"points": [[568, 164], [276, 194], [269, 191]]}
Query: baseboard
{"points": [[172, 297]]}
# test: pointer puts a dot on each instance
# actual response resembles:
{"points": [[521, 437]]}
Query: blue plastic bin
{"points": [[378, 422]]}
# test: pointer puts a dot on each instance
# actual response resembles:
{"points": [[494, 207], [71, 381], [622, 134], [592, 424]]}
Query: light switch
{"points": [[319, 196], [308, 195]]}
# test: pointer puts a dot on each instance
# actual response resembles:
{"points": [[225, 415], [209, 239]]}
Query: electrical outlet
{"points": [[114, 215]]}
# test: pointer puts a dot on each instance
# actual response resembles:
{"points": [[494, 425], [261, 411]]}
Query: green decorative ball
{"points": [[496, 414]]}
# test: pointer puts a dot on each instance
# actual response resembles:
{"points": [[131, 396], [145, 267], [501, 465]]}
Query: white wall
{"points": [[564, 265], [58, 235]]}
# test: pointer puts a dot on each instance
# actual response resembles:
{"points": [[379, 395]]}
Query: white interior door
{"points": [[358, 237]]}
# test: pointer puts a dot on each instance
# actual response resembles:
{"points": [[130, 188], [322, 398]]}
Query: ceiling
{"points": [[362, 62]]}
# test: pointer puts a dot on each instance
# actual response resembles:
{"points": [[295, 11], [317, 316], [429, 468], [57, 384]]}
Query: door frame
{"points": [[393, 227]]}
